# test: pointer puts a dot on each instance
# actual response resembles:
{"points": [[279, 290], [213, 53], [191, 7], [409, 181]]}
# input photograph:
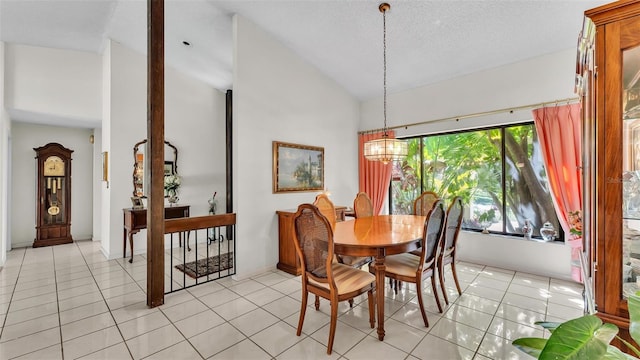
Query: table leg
{"points": [[124, 243], [186, 239], [379, 268], [131, 246]]}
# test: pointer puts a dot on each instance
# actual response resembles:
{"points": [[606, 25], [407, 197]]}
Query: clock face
{"points": [[53, 166]]}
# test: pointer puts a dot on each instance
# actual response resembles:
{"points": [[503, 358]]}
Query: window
{"points": [[497, 171]]}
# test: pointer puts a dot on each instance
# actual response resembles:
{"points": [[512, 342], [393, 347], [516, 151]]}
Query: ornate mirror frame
{"points": [[138, 177]]}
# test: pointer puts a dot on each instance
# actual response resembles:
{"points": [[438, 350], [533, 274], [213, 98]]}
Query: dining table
{"points": [[379, 236]]}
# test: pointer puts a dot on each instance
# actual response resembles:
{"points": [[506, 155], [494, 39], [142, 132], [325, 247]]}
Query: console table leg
{"points": [[131, 245]]}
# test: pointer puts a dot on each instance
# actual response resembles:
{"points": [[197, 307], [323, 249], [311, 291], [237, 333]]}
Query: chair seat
{"points": [[402, 264], [347, 279]]}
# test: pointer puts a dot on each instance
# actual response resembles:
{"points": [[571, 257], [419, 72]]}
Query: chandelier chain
{"points": [[384, 61]]}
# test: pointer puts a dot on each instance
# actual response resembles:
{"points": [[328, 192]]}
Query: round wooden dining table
{"points": [[379, 236]]}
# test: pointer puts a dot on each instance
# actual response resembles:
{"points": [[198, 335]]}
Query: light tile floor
{"points": [[69, 302]]}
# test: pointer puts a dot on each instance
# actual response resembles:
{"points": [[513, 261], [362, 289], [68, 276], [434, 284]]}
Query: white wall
{"points": [[60, 83], [22, 216], [4, 164], [544, 78], [541, 79], [194, 123], [97, 185], [278, 96], [545, 259], [105, 142]]}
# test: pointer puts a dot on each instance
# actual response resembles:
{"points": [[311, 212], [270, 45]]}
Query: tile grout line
{"points": [[107, 305], [484, 335], [15, 285]]}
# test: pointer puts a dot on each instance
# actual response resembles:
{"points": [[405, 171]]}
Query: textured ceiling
{"points": [[428, 41]]}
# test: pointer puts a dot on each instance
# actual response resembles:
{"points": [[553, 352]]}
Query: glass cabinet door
{"points": [[630, 171]]}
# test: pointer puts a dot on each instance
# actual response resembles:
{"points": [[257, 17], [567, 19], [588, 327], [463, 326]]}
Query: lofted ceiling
{"points": [[427, 41]]}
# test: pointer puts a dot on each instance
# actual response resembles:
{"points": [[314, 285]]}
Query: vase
{"points": [[173, 197], [527, 229], [548, 232]]}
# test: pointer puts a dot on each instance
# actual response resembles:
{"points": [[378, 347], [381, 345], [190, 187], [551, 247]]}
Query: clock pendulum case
{"points": [[53, 201]]}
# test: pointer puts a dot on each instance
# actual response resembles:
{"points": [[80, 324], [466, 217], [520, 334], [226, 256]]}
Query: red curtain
{"points": [[559, 131], [374, 176]]}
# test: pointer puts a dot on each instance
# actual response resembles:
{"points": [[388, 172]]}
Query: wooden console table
{"points": [[288, 260], [136, 219]]}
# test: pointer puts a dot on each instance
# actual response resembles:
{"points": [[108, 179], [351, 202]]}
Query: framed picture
{"points": [[297, 167], [169, 168], [105, 166], [136, 202]]}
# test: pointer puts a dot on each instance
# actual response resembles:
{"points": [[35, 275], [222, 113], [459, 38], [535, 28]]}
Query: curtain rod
{"points": [[484, 113]]}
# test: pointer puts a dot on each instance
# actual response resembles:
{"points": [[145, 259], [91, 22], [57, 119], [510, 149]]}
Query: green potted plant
{"points": [[584, 338]]}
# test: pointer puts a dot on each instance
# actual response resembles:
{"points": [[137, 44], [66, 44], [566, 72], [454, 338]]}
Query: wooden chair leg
{"points": [[395, 286], [372, 308], [350, 303], [303, 310], [332, 327], [435, 292], [317, 303], [455, 276], [421, 303], [441, 275]]}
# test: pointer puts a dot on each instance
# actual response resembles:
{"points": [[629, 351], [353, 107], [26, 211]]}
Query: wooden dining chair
{"points": [[362, 205], [321, 275], [424, 203], [450, 239], [410, 268], [421, 206], [326, 208]]}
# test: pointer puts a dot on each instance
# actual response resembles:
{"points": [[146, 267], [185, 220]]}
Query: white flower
{"points": [[172, 182]]}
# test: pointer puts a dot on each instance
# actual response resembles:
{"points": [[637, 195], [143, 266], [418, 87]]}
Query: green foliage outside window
{"points": [[498, 172]]}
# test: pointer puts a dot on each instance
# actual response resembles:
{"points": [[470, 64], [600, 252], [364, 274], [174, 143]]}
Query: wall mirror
{"points": [[139, 153]]}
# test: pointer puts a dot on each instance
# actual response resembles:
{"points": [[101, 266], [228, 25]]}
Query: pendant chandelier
{"points": [[385, 149]]}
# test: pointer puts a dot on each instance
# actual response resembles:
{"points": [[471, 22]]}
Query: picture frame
{"points": [[297, 168], [169, 168], [105, 166], [136, 202]]}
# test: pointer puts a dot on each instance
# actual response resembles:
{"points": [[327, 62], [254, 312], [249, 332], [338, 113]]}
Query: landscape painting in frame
{"points": [[297, 167]]}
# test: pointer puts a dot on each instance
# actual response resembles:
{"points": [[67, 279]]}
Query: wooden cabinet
{"points": [[287, 259], [608, 80], [53, 198]]}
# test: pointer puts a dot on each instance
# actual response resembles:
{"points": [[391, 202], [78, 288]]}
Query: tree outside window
{"points": [[498, 172]]}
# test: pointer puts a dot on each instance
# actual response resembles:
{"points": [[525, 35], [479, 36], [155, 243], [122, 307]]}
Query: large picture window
{"points": [[497, 171]]}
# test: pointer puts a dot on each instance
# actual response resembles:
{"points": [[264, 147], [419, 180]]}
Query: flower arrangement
{"points": [[171, 184], [575, 223]]}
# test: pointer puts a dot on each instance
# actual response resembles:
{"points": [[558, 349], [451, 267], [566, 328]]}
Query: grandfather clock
{"points": [[53, 203]]}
